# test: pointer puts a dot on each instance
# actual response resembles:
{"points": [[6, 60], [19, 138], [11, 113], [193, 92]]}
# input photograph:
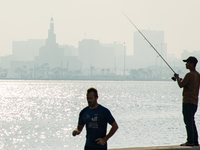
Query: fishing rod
{"points": [[173, 78]]}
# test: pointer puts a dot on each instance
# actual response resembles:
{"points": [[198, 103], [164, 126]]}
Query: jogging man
{"points": [[95, 117], [190, 84]]}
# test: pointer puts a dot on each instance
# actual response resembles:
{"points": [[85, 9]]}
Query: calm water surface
{"points": [[42, 114]]}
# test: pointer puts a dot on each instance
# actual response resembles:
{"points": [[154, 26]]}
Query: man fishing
{"points": [[96, 117], [190, 84]]}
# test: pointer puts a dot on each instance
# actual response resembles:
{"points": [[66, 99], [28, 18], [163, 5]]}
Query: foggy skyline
{"points": [[101, 20]]}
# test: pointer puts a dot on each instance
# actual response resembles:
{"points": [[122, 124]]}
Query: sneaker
{"points": [[187, 144], [196, 144]]}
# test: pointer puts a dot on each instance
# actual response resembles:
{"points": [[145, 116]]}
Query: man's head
{"points": [[190, 61], [92, 96]]}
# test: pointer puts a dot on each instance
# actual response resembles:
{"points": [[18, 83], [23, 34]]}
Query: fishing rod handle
{"points": [[173, 78]]}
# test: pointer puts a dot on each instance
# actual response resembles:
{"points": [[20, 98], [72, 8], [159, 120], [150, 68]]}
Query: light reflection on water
{"points": [[43, 114]]}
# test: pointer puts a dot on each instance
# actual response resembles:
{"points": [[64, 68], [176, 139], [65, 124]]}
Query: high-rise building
{"points": [[95, 55], [26, 50], [144, 54], [106, 56], [23, 51], [70, 50], [117, 56], [89, 53]]}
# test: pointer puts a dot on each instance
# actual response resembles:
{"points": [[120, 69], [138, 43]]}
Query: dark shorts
{"points": [[90, 148]]}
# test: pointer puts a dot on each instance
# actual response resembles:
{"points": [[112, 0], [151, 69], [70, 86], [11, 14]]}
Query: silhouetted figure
{"points": [[190, 84], [95, 117]]}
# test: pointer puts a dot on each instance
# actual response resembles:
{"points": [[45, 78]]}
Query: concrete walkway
{"points": [[175, 147]]}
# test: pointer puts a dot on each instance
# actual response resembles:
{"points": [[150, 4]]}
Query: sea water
{"points": [[41, 115]]}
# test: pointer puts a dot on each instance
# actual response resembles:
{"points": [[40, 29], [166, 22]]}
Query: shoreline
{"points": [[173, 147], [88, 79]]}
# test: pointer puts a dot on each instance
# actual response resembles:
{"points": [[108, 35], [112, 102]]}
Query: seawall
{"points": [[173, 147]]}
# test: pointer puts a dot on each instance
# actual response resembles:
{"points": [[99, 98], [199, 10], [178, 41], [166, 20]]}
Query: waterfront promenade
{"points": [[172, 147]]}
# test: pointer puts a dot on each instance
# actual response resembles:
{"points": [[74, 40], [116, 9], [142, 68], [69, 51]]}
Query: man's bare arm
{"points": [[112, 131], [78, 130], [102, 141], [183, 82]]}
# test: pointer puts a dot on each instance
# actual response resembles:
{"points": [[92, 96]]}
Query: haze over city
{"points": [[53, 51], [101, 20]]}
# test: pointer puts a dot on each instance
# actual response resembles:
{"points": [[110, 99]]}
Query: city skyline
{"points": [[34, 58], [101, 20]]}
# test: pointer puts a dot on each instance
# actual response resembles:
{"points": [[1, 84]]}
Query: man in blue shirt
{"points": [[95, 117]]}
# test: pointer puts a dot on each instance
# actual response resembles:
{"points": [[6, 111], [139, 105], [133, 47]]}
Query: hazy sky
{"points": [[101, 20]]}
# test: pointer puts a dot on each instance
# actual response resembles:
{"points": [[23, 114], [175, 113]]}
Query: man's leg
{"points": [[90, 148], [195, 135], [188, 117], [194, 126]]}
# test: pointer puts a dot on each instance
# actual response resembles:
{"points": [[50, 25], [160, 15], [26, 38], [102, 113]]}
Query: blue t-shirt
{"points": [[96, 124]]}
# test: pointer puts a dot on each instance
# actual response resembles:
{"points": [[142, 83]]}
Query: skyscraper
{"points": [[89, 53], [144, 54]]}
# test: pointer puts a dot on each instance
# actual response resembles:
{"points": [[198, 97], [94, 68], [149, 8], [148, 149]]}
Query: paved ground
{"points": [[173, 147]]}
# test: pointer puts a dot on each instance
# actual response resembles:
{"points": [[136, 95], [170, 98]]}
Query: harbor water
{"points": [[41, 115]]}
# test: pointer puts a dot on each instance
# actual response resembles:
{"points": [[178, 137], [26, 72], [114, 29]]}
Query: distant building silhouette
{"points": [[26, 50], [51, 53], [117, 56], [89, 53], [70, 50], [144, 54], [99, 57], [107, 56], [23, 52], [54, 55]]}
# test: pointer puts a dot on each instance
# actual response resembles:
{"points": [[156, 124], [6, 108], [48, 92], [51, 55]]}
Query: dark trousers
{"points": [[189, 111], [90, 148]]}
